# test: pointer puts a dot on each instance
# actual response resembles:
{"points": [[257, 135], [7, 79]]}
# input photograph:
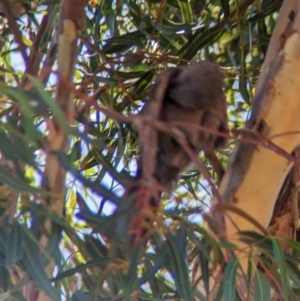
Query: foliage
{"points": [[125, 43]]}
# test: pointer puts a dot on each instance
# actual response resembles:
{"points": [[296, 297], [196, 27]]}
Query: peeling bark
{"points": [[256, 174]]}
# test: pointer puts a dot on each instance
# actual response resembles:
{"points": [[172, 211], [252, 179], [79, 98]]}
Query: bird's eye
{"points": [[174, 142]]}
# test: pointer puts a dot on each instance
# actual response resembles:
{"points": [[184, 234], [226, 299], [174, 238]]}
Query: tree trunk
{"points": [[260, 165]]}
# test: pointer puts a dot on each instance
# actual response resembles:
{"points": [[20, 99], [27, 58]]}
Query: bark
{"points": [[257, 170], [256, 174], [70, 23], [31, 62]]}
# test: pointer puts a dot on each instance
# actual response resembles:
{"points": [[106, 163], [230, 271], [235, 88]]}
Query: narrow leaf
{"points": [[131, 278], [7, 178], [262, 287], [161, 257], [177, 260], [229, 283], [79, 268], [35, 269], [14, 249], [280, 260], [225, 6], [46, 98]]}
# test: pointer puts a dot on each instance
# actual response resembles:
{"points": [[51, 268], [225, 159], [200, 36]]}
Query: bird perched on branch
{"points": [[185, 98]]}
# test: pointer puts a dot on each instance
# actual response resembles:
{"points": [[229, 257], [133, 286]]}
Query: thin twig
{"points": [[17, 33]]}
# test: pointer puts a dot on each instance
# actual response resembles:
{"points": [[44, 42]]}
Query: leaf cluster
{"points": [[124, 45]]}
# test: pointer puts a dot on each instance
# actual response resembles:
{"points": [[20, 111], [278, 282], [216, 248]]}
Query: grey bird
{"points": [[194, 95], [191, 94]]}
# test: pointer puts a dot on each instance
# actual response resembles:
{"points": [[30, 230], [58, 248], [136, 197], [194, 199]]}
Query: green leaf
{"points": [[108, 167], [160, 258], [121, 43], [204, 259], [11, 150], [265, 4], [293, 272], [262, 289], [75, 153], [35, 269], [96, 187], [79, 268], [21, 97], [18, 184], [243, 88], [186, 11], [169, 28], [45, 97], [96, 249], [226, 8], [275, 5], [135, 12], [295, 245], [19, 285], [178, 263], [199, 40], [4, 278], [131, 278], [131, 75], [229, 280], [215, 255], [14, 248], [17, 296], [280, 260]]}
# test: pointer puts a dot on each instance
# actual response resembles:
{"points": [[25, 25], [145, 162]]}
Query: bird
{"points": [[189, 95]]}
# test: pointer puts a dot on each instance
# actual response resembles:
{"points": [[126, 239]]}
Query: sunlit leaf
{"points": [[16, 183]]}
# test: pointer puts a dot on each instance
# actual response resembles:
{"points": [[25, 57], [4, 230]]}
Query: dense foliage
{"points": [[124, 44]]}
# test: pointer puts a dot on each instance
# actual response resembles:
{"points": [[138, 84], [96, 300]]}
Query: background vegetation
{"points": [[122, 46]]}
